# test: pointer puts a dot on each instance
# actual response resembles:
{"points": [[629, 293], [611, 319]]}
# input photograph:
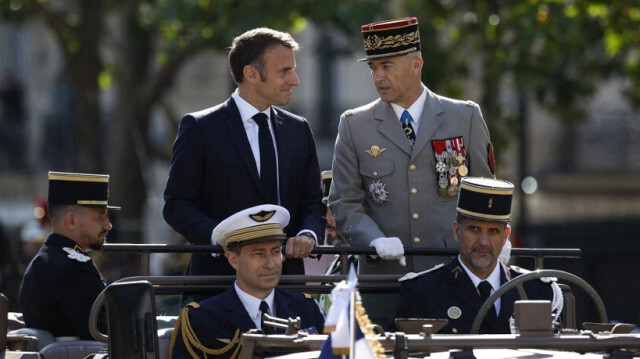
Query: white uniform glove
{"points": [[505, 254], [389, 248]]}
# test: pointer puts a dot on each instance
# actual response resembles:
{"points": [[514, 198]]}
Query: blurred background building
{"points": [[557, 95]]}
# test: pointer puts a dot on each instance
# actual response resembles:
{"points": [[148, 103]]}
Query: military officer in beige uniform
{"points": [[398, 160]]}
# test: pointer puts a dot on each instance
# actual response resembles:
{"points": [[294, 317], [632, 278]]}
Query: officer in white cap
{"points": [[457, 291], [252, 239]]}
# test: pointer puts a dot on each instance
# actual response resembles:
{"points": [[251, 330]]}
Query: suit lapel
{"points": [[463, 287], [283, 308], [236, 131], [390, 126], [237, 313], [430, 121], [283, 145], [507, 300]]}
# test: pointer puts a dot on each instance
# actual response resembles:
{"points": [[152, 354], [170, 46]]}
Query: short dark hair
{"points": [[57, 210], [249, 48]]}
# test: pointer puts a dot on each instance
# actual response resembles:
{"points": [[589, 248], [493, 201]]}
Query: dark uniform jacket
{"points": [[448, 293], [59, 287], [213, 175], [219, 322]]}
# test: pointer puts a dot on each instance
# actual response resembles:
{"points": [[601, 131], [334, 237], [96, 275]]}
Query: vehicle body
{"points": [[138, 330]]}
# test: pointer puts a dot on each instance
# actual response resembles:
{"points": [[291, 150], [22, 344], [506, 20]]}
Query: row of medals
{"points": [[450, 166]]}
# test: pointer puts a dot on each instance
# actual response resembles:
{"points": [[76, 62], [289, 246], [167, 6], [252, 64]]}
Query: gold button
{"points": [[416, 240], [415, 216], [414, 191], [375, 174], [412, 168], [454, 330]]}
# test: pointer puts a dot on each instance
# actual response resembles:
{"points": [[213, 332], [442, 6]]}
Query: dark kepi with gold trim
{"points": [[390, 38], [80, 189], [485, 199]]}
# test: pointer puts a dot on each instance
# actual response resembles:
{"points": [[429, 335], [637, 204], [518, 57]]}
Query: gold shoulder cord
{"points": [[191, 340]]}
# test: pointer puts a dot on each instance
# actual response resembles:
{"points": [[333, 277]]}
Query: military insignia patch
{"points": [[491, 159], [262, 216], [76, 256], [378, 192], [375, 151], [454, 312], [451, 165]]}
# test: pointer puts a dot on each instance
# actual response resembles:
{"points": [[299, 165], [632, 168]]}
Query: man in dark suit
{"points": [[455, 291], [253, 244], [223, 162], [62, 282]]}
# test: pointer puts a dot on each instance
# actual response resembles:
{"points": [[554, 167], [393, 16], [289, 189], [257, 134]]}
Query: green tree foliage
{"points": [[554, 51]]}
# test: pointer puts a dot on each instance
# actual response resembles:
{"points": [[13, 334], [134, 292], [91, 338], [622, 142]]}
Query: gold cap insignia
{"points": [[262, 216]]}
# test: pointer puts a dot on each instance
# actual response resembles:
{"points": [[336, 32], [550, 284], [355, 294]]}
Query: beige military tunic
{"points": [[382, 187]]}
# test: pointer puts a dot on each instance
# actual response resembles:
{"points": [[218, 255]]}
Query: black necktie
{"points": [[268, 176], [406, 120], [485, 291], [264, 309]]}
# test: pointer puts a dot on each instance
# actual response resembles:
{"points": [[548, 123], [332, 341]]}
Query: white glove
{"points": [[213, 241], [505, 254], [389, 248]]}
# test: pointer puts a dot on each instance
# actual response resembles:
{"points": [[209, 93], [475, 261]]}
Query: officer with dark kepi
{"points": [[457, 291], [252, 239], [398, 161], [62, 282]]}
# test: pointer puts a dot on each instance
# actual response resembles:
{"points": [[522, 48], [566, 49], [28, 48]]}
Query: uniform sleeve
{"points": [[481, 150], [184, 191], [347, 195], [312, 207]]}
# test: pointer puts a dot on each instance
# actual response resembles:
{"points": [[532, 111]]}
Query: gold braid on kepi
{"points": [[191, 341], [363, 320]]}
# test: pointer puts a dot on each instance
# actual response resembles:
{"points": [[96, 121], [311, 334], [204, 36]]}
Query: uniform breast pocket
{"points": [[377, 178]]}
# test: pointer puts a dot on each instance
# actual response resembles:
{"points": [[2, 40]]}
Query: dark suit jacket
{"points": [[434, 294], [217, 320], [213, 175], [58, 291]]}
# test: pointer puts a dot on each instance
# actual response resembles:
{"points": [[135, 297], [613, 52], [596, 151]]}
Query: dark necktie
{"points": [[406, 120], [264, 309], [268, 176], [485, 291]]}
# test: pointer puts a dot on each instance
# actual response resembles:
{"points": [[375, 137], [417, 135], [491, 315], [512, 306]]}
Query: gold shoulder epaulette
{"points": [[192, 342]]}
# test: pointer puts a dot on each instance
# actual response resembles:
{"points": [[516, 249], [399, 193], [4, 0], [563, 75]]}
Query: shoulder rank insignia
{"points": [[307, 295], [76, 256], [348, 113], [470, 103], [375, 151], [456, 272], [412, 275]]}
